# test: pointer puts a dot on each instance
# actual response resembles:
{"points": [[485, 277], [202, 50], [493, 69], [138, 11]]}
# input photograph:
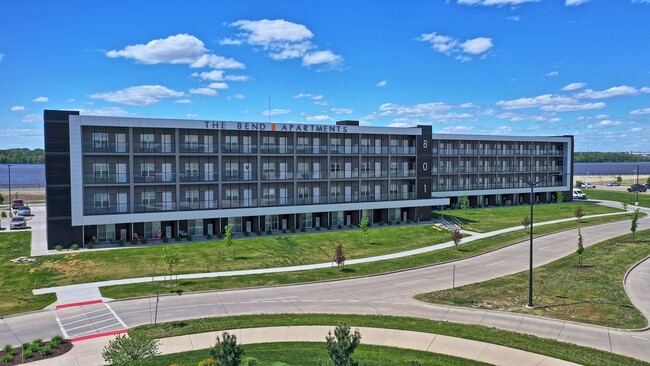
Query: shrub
{"points": [[207, 362], [165, 239], [329, 227], [293, 230], [249, 361], [258, 232], [89, 245], [246, 233], [8, 349], [226, 351], [7, 358], [56, 340], [339, 226], [74, 246], [303, 229], [133, 242], [37, 342], [381, 223], [45, 350], [219, 236], [125, 350], [3, 214], [268, 232], [209, 236], [318, 228], [28, 353], [284, 231], [177, 238], [25, 345], [189, 237], [58, 247], [120, 243], [144, 240]]}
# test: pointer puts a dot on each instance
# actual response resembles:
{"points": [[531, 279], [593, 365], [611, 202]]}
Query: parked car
{"points": [[18, 222], [578, 195], [637, 188], [17, 203], [587, 185], [613, 184], [24, 211]]}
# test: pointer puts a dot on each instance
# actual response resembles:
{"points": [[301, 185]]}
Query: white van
{"points": [[578, 195]]}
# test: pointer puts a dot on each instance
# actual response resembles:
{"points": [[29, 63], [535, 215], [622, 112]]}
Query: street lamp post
{"points": [[9, 167], [530, 270], [637, 189]]}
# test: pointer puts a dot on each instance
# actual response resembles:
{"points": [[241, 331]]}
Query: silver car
{"points": [[24, 211], [18, 222]]}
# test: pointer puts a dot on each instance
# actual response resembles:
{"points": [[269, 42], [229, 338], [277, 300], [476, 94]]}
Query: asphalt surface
{"points": [[388, 294]]}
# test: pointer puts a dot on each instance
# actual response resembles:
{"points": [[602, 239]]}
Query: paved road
{"points": [[389, 294]]}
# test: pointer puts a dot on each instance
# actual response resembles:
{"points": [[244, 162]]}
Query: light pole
{"points": [[530, 270], [10, 208], [637, 187]]}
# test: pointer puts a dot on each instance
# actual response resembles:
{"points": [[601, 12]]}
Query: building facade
{"points": [[110, 177]]}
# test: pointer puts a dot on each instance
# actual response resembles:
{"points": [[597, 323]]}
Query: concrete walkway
{"points": [[87, 353], [89, 291]]}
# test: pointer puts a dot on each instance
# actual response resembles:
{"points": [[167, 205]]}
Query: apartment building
{"points": [[110, 177]]}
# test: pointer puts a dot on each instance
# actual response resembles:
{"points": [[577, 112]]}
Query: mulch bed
{"points": [[18, 360]]}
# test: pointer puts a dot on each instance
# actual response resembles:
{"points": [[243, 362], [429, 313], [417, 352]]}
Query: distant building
{"points": [[110, 177]]}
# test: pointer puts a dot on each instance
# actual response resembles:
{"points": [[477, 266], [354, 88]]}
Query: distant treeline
{"points": [[22, 156], [607, 157]]}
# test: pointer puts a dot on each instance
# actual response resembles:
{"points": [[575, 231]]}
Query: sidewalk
{"points": [[88, 291], [89, 352]]}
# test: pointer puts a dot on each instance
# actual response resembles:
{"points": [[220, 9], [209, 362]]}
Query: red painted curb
{"points": [[63, 306], [98, 335]]}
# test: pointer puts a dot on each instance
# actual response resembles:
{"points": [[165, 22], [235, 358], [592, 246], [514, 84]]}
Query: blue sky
{"points": [[504, 67]]}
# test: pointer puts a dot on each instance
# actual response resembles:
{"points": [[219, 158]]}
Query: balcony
{"points": [[106, 210], [277, 176], [395, 150], [410, 173], [308, 149], [153, 148], [344, 174], [105, 147], [197, 148], [154, 207], [234, 175], [105, 178], [198, 205], [276, 149], [237, 203], [198, 177], [374, 174], [238, 149], [383, 150]]}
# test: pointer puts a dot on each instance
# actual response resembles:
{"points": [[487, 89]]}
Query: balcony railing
{"points": [[155, 207], [104, 147], [395, 150], [344, 174], [277, 176], [155, 178], [383, 150], [199, 205], [91, 209], [198, 148], [410, 173], [321, 174], [105, 178], [276, 149], [153, 148], [308, 149], [238, 149]]}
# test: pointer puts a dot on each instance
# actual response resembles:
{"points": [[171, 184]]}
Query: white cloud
{"points": [[218, 86], [456, 129], [214, 75], [605, 124], [449, 46], [640, 1], [17, 108], [341, 110], [204, 91], [237, 96], [535, 102], [179, 49], [282, 40], [230, 42], [573, 86], [573, 107], [495, 2], [616, 91], [142, 95], [41, 99], [308, 95], [191, 115], [320, 118], [553, 73], [32, 118], [2, 55], [382, 83], [636, 129], [514, 18], [237, 78], [275, 112], [641, 111], [501, 130], [183, 101], [575, 2], [477, 45], [321, 57]]}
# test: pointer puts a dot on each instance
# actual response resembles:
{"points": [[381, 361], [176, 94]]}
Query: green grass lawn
{"points": [[592, 293], [544, 346], [306, 353], [620, 196], [483, 220]]}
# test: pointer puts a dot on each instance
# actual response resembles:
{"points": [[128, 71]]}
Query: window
{"points": [[335, 191], [232, 194], [365, 190], [192, 197], [268, 194], [303, 143], [149, 199], [303, 193], [232, 143], [232, 171], [303, 170], [100, 140], [100, 170], [269, 170], [335, 167], [147, 140], [101, 200], [148, 169], [335, 144], [191, 142], [192, 169]]}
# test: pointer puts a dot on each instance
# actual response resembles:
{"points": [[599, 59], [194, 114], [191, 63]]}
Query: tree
{"points": [[125, 350], [619, 178], [624, 204], [579, 213], [581, 248], [560, 196], [2, 199], [342, 344], [464, 202], [635, 223], [525, 222], [456, 236], [226, 352], [578, 183], [228, 229], [364, 230], [171, 257], [339, 256], [648, 180]]}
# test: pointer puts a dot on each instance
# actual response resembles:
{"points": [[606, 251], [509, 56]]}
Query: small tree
{"points": [[339, 256], [363, 225], [456, 236], [525, 222], [619, 179], [560, 196], [171, 258], [648, 180], [635, 223], [125, 350], [578, 183], [228, 229], [226, 352], [579, 213], [581, 248], [464, 202], [624, 204], [2, 199], [341, 345]]}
